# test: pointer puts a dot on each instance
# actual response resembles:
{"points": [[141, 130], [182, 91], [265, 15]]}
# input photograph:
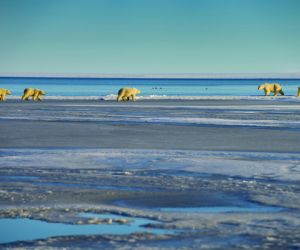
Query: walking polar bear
{"points": [[34, 93], [271, 88], [3, 93], [124, 94]]}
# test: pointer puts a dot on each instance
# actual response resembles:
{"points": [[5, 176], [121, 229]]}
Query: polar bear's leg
{"points": [[267, 92], [35, 96], [133, 98], [25, 97], [1, 98]]}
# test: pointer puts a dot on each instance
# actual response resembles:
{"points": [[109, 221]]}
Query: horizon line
{"points": [[294, 75]]}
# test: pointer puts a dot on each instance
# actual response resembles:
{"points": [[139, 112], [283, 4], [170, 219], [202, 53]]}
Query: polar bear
{"points": [[3, 93], [34, 93], [124, 94], [271, 88]]}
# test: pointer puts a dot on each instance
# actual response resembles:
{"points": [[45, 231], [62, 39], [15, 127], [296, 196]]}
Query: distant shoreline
{"points": [[253, 76], [148, 78]]}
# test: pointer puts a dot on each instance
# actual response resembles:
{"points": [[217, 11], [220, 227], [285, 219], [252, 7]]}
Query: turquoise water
{"points": [[21, 229], [170, 87]]}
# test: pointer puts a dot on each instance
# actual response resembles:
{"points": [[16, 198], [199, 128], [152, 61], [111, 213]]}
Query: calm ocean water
{"points": [[169, 87]]}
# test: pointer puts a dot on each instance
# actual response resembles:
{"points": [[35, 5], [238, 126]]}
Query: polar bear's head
{"points": [[8, 92], [261, 87], [41, 92], [137, 91]]}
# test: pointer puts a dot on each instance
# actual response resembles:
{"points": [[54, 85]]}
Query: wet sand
{"points": [[62, 158]]}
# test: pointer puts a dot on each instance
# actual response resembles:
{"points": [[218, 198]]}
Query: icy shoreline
{"points": [[113, 97]]}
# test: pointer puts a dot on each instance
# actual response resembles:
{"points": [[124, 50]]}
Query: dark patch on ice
{"points": [[252, 208], [89, 186], [9, 178], [202, 202]]}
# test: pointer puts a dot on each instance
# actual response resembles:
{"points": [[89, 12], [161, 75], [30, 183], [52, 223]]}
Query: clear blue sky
{"points": [[149, 36]]}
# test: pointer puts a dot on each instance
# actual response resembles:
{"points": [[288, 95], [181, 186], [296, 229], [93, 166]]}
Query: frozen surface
{"points": [[250, 208], [274, 115], [222, 172], [113, 97], [256, 165]]}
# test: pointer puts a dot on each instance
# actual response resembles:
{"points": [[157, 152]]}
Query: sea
{"points": [[88, 88]]}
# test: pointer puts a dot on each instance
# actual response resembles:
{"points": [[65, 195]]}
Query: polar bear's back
{"points": [[271, 86], [4, 91], [28, 90], [128, 91]]}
